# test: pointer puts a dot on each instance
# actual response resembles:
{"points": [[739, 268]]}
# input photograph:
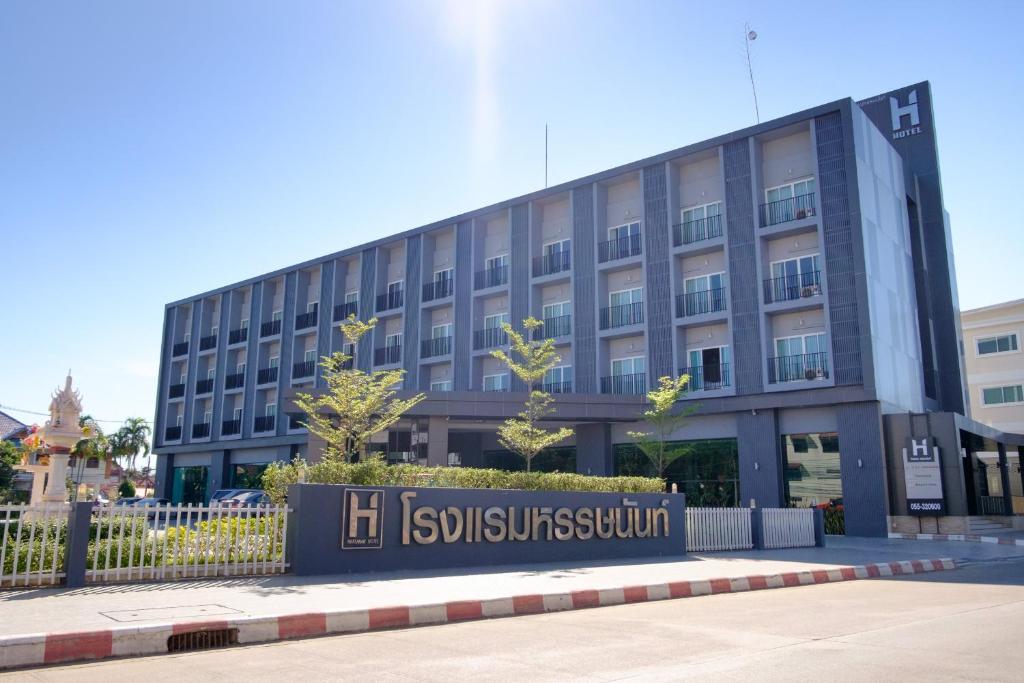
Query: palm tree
{"points": [[134, 437], [93, 444]]}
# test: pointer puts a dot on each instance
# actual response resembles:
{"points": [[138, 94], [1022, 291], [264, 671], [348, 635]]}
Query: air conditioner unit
{"points": [[809, 290], [801, 213], [813, 373]]}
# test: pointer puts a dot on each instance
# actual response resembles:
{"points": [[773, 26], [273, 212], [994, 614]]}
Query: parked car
{"points": [[221, 494], [126, 501], [232, 501], [150, 502], [247, 499]]}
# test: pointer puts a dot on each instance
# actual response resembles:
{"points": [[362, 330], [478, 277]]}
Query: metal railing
{"points": [[179, 349], [176, 391], [438, 346], [548, 264], [230, 427], [559, 326], [626, 314], [624, 384], [557, 387], [792, 287], [266, 375], [234, 381], [699, 303], [208, 342], [991, 505], [263, 423], [33, 540], [438, 289], [172, 433], [787, 527], [489, 337], [201, 430], [490, 277], [623, 247], [387, 355], [270, 328], [386, 302], [707, 377], [304, 320], [807, 366], [343, 311], [304, 368], [204, 386], [697, 230], [784, 210], [709, 529], [238, 336]]}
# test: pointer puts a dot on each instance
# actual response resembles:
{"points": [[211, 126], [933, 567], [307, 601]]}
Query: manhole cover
{"points": [[167, 613]]}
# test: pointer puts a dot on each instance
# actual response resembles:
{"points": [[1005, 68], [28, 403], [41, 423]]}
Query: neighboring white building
{"points": [[993, 341]]}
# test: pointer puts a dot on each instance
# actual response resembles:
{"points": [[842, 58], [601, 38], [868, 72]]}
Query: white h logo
{"points": [[899, 112], [919, 448]]}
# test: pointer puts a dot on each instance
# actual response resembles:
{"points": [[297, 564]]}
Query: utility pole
{"points": [[545, 155]]}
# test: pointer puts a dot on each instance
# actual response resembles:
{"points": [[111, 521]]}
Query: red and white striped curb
{"points": [[56, 648], [975, 538]]}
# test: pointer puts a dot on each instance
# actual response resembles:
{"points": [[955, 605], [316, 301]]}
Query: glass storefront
{"points": [[189, 485], [562, 459], [248, 476], [708, 473], [813, 477]]}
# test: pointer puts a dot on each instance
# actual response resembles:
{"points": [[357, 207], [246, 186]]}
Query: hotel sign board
{"points": [[922, 476]]}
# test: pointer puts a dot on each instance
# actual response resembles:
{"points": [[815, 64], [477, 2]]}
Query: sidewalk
{"points": [[141, 616]]}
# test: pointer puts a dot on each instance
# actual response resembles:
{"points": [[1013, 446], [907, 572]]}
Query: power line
{"points": [[36, 412], [748, 37]]}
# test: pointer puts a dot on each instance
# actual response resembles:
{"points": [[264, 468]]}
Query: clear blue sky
{"points": [[150, 151]]}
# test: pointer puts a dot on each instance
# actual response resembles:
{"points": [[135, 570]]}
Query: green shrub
{"points": [[126, 489], [34, 546], [375, 472]]}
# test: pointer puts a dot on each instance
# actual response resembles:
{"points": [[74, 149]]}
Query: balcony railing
{"points": [[238, 336], [201, 430], [234, 381], [438, 289], [204, 386], [343, 311], [387, 355], [807, 366], [208, 342], [263, 423], [270, 328], [179, 349], [296, 420], [625, 384], [784, 210], [697, 303], [490, 277], [266, 375], [707, 377], [559, 326], [557, 387], [230, 427], [626, 314], [304, 368], [386, 302], [172, 433], [792, 287], [304, 320], [555, 262], [438, 346], [176, 391], [697, 230], [489, 338], [623, 247]]}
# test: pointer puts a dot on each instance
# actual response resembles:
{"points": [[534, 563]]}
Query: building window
{"points": [[558, 380], [395, 289], [273, 361], [800, 188], [352, 297], [708, 368], [628, 366], [557, 310], [496, 262], [244, 324], [270, 410], [558, 247], [1004, 343], [240, 368], [495, 321], [312, 307], [310, 356], [443, 276], [393, 340], [1003, 395], [276, 315], [441, 385], [496, 382], [699, 213], [798, 272], [708, 474], [812, 476], [454, 460], [626, 296], [236, 414], [622, 232], [248, 476], [441, 331]]}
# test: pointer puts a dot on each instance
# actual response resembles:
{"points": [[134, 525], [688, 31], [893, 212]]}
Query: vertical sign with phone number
{"points": [[922, 474]]}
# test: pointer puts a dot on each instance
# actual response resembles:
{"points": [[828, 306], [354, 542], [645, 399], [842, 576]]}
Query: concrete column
{"points": [[437, 441], [164, 475], [594, 449], [862, 464], [1004, 475], [77, 544], [220, 472], [760, 458]]}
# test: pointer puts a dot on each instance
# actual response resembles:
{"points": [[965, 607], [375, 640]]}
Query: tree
{"points": [[10, 455], [522, 434], [356, 404], [664, 419], [93, 444], [133, 438]]}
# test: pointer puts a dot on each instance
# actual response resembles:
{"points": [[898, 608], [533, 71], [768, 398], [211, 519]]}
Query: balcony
{"points": [[699, 303], [296, 420], [230, 427], [387, 355], [804, 367], [560, 326], [489, 338], [624, 247], [548, 264], [305, 320], [343, 311], [208, 342], [266, 375], [634, 385], [707, 377], [697, 231], [179, 349], [491, 277], [234, 381], [263, 423], [302, 369], [176, 391], [172, 433], [270, 328], [204, 386], [619, 316], [238, 336], [792, 287], [386, 302], [557, 387], [438, 346], [201, 430], [438, 289], [785, 210]]}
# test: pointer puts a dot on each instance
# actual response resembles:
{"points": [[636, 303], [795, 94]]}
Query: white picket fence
{"points": [[32, 542], [183, 541], [718, 529], [787, 527]]}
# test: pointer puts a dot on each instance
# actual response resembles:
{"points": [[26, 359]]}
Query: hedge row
{"points": [[376, 472]]}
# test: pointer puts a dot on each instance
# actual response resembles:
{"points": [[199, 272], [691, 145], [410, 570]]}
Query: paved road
{"points": [[966, 624]]}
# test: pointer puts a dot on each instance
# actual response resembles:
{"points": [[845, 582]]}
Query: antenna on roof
{"points": [[749, 37], [545, 155]]}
